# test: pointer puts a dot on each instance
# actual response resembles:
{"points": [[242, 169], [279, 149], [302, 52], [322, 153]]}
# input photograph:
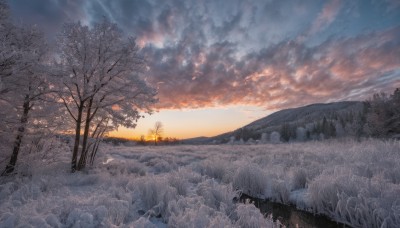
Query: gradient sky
{"points": [[221, 64]]}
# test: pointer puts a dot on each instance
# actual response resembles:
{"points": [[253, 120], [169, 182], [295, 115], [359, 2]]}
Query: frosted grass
{"points": [[357, 183]]}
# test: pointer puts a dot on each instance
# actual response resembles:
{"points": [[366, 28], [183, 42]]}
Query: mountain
{"points": [[307, 113], [308, 117]]}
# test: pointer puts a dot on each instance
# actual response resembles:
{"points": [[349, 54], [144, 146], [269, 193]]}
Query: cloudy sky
{"points": [[221, 64]]}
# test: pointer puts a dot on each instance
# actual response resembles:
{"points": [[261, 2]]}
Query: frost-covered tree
{"points": [[264, 137], [383, 115], [339, 129], [301, 134], [25, 88], [99, 76], [275, 137], [231, 140]]}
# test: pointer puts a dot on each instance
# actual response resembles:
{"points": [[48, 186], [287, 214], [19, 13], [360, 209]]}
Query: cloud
{"points": [[327, 15], [49, 14], [213, 53], [284, 75]]}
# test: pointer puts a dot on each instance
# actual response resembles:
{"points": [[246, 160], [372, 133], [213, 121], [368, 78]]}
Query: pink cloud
{"points": [[285, 75]]}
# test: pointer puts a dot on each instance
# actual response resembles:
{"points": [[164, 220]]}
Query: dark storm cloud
{"points": [[274, 54]]}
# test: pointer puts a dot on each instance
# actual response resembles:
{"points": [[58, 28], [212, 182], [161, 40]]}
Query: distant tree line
{"points": [[164, 141], [379, 117], [116, 141]]}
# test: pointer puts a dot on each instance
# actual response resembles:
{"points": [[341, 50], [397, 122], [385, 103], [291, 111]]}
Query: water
{"points": [[292, 217]]}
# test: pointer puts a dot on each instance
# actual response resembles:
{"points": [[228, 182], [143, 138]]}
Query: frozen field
{"points": [[197, 186]]}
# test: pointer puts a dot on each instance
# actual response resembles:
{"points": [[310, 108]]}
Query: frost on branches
{"points": [[99, 84], [93, 78], [25, 88]]}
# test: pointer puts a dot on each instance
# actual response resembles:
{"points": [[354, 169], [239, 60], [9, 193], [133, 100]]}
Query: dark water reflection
{"points": [[290, 216]]}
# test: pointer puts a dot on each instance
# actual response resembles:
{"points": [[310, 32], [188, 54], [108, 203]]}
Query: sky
{"points": [[221, 64]]}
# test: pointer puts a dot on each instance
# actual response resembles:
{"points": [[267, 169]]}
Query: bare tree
{"points": [[156, 132], [100, 77]]}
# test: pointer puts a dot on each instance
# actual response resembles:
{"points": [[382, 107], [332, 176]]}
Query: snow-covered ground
{"points": [[197, 186]]}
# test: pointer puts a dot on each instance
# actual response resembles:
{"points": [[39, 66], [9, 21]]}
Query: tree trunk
{"points": [[77, 138], [17, 143], [97, 134], [82, 160]]}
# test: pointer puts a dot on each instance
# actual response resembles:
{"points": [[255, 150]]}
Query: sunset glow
{"points": [[213, 62], [189, 123]]}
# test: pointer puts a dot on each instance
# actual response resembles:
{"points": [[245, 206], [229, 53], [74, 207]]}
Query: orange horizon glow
{"points": [[191, 123], [134, 134]]}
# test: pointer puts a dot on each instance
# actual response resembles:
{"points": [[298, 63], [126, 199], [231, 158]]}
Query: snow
{"points": [[357, 183]]}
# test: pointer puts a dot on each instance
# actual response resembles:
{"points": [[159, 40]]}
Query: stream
{"points": [[290, 216]]}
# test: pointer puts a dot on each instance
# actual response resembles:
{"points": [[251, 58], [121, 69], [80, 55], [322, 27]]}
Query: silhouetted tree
{"points": [[156, 132]]}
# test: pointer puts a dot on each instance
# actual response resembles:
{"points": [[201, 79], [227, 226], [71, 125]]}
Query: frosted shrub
{"points": [[151, 191], [216, 196], [53, 221], [262, 160], [178, 206], [179, 182], [37, 221], [191, 176], [134, 167], [357, 183], [101, 216], [251, 180], [362, 170], [392, 175], [143, 222], [375, 205], [118, 210], [359, 211], [298, 179], [127, 167], [162, 166], [280, 191], [216, 168], [325, 190], [26, 193], [78, 218], [147, 157], [155, 195], [196, 218], [220, 221], [250, 217]]}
